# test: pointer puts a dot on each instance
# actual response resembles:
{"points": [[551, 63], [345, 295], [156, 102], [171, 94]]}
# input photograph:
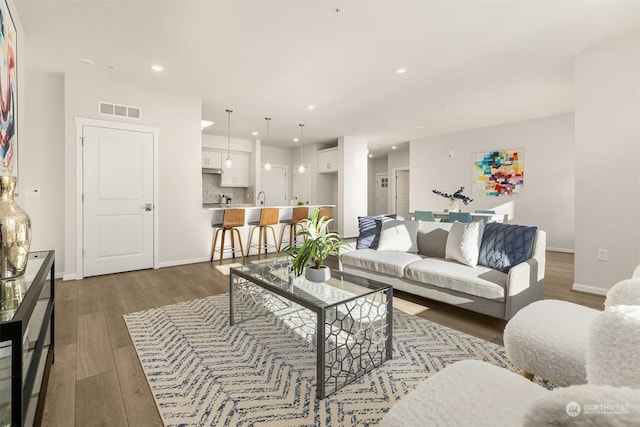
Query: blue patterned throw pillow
{"points": [[369, 231], [504, 246]]}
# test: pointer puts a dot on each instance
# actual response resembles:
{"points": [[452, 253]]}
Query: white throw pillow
{"points": [[399, 236], [463, 243]]}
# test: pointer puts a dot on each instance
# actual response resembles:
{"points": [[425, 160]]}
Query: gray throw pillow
{"points": [[504, 246]]}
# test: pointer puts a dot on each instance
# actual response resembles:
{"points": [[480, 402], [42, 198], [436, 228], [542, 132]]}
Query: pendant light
{"points": [[301, 167], [228, 163], [267, 166]]}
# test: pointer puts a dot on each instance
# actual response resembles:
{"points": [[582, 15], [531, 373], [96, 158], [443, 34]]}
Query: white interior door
{"points": [[302, 185], [118, 200], [274, 185], [402, 193], [382, 193]]}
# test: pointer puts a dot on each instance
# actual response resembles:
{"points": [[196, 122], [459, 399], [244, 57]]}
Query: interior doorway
{"points": [[117, 217], [302, 184], [402, 193], [382, 193]]}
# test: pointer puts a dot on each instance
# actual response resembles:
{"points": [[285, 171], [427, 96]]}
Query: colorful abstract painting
{"points": [[8, 93], [498, 173]]}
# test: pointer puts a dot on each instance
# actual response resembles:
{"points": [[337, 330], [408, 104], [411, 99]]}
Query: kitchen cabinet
{"points": [[238, 174], [211, 159], [26, 340], [328, 160]]}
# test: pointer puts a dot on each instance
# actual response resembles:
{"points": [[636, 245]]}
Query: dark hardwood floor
{"points": [[97, 379]]}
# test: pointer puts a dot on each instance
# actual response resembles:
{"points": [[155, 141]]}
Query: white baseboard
{"points": [[565, 250], [70, 276], [183, 262], [589, 289]]}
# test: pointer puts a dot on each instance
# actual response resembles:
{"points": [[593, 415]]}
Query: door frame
{"points": [[79, 123], [392, 187]]}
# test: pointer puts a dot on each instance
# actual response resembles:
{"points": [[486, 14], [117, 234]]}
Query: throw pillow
{"points": [[505, 246], [463, 243], [398, 236], [369, 231], [432, 238]]}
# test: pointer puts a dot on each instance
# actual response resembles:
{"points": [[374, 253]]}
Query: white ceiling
{"points": [[469, 63]]}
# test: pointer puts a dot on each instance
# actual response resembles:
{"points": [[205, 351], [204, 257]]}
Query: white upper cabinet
{"points": [[238, 174], [328, 160], [211, 159]]}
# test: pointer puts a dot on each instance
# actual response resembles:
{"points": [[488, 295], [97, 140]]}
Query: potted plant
{"points": [[317, 246]]}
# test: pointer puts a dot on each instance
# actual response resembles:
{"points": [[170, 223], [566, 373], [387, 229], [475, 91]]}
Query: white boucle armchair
{"points": [[480, 394], [549, 338]]}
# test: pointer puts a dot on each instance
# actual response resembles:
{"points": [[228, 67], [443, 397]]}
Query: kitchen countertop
{"points": [[219, 206]]}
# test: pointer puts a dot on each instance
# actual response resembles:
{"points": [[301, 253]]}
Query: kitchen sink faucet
{"points": [[264, 197]]}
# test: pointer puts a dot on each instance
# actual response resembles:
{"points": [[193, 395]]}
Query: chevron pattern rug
{"points": [[261, 372]]}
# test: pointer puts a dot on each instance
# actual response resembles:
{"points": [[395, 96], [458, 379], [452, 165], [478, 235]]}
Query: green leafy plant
{"points": [[317, 246]]}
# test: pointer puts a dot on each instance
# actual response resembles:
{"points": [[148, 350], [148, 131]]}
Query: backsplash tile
{"points": [[211, 190]]}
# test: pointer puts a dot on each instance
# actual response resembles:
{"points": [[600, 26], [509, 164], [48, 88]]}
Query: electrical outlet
{"points": [[603, 254]]}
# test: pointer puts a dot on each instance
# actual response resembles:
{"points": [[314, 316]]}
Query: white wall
{"points": [[607, 110], [42, 162], [548, 197], [185, 232]]}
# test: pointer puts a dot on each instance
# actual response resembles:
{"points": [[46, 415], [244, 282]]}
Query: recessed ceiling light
{"points": [[254, 133], [295, 140], [157, 67], [311, 107], [370, 156], [393, 147], [205, 123], [85, 61], [401, 70]]}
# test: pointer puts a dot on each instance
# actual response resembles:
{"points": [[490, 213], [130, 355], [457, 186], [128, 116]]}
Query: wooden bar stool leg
{"points": [[224, 231], [284, 226], [240, 242], [273, 233], [213, 245], [253, 228]]}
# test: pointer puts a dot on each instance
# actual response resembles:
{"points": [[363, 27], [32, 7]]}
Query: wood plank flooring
{"points": [[97, 380]]}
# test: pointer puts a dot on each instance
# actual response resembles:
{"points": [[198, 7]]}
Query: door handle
{"points": [[148, 207]]}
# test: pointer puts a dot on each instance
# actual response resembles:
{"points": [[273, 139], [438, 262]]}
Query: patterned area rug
{"points": [[262, 372]]}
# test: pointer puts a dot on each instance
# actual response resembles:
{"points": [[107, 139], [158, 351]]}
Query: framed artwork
{"points": [[8, 93], [498, 173]]}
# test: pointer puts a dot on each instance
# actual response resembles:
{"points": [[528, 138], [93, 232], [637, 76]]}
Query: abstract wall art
{"points": [[498, 173], [8, 93]]}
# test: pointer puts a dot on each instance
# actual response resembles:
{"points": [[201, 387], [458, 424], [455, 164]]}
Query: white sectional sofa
{"points": [[423, 258]]}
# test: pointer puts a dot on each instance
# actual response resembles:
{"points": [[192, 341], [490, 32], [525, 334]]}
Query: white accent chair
{"points": [[479, 394], [549, 338]]}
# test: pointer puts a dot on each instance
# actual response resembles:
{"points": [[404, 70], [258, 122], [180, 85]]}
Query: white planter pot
{"points": [[313, 274]]}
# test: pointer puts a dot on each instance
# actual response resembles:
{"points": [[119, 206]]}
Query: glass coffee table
{"points": [[353, 316]]}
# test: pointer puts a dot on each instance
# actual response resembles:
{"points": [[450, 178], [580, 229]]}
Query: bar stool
{"points": [[231, 219], [325, 211], [299, 213], [268, 218]]}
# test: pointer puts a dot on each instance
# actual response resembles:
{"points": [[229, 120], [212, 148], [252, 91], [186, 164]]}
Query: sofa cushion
{"points": [[480, 281], [369, 231], [390, 263], [432, 238], [397, 235], [463, 243], [505, 245]]}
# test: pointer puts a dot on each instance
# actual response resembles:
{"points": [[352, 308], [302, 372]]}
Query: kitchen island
{"points": [[252, 213]]}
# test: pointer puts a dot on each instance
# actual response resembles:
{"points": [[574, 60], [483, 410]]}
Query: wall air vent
{"points": [[111, 109]]}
